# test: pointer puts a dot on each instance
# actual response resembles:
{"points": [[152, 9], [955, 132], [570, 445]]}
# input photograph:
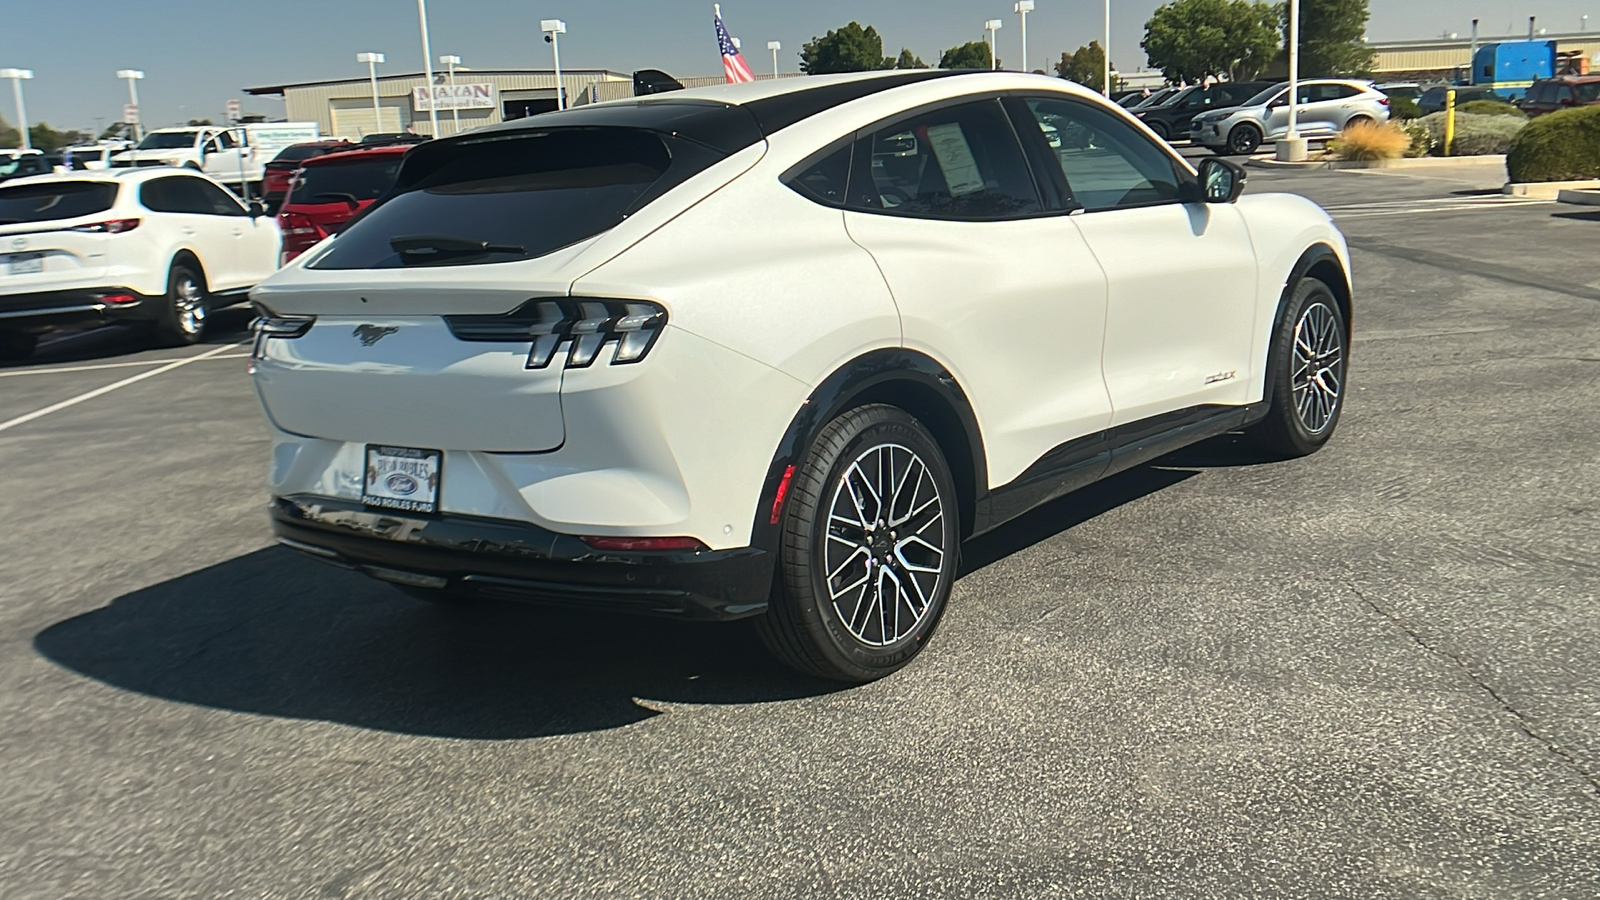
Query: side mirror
{"points": [[1221, 181], [257, 209]]}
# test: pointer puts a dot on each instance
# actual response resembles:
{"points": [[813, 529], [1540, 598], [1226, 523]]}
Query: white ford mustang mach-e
{"points": [[775, 350]]}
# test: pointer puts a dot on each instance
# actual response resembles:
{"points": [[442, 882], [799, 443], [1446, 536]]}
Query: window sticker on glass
{"points": [[955, 158]]}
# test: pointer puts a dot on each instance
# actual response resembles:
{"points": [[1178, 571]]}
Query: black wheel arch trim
{"points": [[1319, 259], [891, 375]]}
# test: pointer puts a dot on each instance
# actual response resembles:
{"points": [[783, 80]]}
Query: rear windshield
{"points": [[343, 182], [514, 195], [299, 152], [54, 201], [171, 140]]}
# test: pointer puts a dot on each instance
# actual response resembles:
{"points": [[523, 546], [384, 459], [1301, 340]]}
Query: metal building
{"points": [[481, 97], [1450, 58]]}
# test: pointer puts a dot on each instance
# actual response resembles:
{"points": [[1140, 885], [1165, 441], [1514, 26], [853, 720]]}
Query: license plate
{"points": [[26, 263], [402, 478]]}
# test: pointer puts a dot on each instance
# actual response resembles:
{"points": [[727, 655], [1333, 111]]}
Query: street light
{"points": [[18, 76], [1293, 148], [133, 76], [455, 109], [774, 46], [552, 29], [1023, 8], [1105, 72], [427, 65], [372, 60], [992, 26]]}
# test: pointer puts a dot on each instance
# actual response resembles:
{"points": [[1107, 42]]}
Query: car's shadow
{"points": [[277, 633], [112, 342]]}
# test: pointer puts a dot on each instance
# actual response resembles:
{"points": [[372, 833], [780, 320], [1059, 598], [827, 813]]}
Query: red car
{"points": [[280, 171], [329, 190], [1562, 92]]}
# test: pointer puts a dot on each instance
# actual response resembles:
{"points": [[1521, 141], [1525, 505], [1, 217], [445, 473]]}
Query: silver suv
{"points": [[1326, 107]]}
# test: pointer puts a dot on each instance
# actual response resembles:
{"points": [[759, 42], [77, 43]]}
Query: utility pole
{"points": [[455, 102], [372, 60], [1293, 147], [427, 65], [18, 76], [991, 27], [553, 29], [132, 76], [1023, 8], [774, 46]]}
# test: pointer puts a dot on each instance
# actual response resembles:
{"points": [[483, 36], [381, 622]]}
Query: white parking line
{"points": [[121, 365], [97, 392]]}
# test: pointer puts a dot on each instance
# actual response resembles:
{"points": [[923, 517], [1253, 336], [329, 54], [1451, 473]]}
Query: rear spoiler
{"points": [[654, 81]]}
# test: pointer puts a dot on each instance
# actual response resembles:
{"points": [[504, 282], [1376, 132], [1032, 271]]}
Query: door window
{"points": [[225, 140], [181, 194], [960, 162], [1106, 163], [218, 201]]}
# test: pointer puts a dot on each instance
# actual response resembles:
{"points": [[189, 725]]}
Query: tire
{"points": [[1244, 139], [837, 537], [1306, 368], [183, 315], [16, 346], [1161, 130], [1359, 120]]}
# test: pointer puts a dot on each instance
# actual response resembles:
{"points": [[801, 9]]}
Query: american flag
{"points": [[733, 64]]}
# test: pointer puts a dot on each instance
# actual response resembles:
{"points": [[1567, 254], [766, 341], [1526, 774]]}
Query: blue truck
{"points": [[1510, 67]]}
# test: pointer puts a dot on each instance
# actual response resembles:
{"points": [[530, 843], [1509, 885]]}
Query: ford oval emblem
{"points": [[401, 483]]}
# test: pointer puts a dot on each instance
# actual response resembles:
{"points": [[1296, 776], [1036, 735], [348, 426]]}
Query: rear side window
{"points": [[55, 201], [513, 195], [961, 162], [346, 182], [1588, 92], [179, 194]]}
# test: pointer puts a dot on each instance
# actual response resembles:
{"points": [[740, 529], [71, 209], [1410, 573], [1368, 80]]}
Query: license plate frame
{"points": [[25, 263], [405, 479]]}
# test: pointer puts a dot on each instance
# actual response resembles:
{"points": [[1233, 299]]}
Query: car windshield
{"points": [[1265, 97], [54, 201], [172, 140], [299, 152], [341, 182], [1588, 93], [506, 196]]}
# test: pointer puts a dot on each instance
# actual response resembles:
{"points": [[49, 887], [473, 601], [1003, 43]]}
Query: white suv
{"points": [[774, 350], [158, 246]]}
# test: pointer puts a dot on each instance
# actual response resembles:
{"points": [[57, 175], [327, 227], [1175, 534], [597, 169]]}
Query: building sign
{"points": [[461, 96]]}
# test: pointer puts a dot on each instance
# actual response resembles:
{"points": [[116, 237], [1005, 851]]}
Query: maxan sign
{"points": [[460, 96]]}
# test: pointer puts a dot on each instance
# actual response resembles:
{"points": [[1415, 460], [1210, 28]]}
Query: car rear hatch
{"points": [[436, 311], [53, 234]]}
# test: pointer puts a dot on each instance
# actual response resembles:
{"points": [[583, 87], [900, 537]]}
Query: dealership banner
{"points": [[461, 96]]}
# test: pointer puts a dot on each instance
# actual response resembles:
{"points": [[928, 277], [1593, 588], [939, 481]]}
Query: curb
{"points": [[1425, 162], [1548, 190], [1580, 197]]}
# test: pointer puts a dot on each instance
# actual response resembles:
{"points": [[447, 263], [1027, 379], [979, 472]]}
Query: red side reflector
{"points": [[635, 544], [120, 298], [783, 491]]}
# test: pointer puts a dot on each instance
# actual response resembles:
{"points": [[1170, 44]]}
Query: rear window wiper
{"points": [[423, 248]]}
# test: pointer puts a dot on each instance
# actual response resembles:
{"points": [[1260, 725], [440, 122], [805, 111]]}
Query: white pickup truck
{"points": [[232, 155]]}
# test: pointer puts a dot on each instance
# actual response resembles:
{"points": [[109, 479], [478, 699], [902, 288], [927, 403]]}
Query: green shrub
{"points": [[1475, 135], [1562, 146], [1490, 108], [1404, 108]]}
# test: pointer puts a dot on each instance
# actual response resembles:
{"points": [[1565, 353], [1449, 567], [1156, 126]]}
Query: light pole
{"points": [[133, 76], [1293, 148], [1106, 69], [455, 108], [991, 27], [553, 29], [774, 46], [18, 76], [427, 66], [1023, 8], [372, 60]]}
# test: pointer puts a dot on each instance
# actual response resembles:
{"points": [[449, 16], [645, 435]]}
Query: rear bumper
{"points": [[508, 560], [46, 310]]}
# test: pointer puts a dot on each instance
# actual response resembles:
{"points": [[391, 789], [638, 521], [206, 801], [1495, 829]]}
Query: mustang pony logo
{"points": [[371, 334]]}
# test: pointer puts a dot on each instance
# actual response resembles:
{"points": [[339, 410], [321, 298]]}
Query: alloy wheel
{"points": [[189, 305], [1317, 380], [886, 535]]}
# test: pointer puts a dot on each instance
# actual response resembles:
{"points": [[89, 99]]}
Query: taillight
{"points": [[283, 326], [110, 226], [119, 299], [1383, 101], [636, 544], [583, 325]]}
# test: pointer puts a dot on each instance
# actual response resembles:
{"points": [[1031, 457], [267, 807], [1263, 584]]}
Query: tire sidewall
{"points": [[1308, 292], [887, 426], [1243, 129], [171, 330]]}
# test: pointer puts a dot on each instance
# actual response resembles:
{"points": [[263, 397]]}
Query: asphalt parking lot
{"points": [[1369, 673]]}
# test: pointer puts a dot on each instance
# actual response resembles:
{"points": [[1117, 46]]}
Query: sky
{"points": [[197, 55]]}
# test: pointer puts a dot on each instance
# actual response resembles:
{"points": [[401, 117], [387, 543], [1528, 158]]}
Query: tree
{"points": [[1331, 37], [195, 122], [9, 135], [848, 49], [1086, 67], [1192, 40], [971, 55], [909, 60], [48, 140]]}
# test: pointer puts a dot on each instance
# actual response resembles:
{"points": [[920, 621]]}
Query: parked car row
{"points": [[1324, 108]]}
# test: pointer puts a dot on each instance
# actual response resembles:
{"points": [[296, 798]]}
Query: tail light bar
{"points": [[110, 226], [270, 326], [583, 325]]}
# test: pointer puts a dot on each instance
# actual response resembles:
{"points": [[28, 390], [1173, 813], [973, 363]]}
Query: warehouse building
{"points": [[1448, 59]]}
